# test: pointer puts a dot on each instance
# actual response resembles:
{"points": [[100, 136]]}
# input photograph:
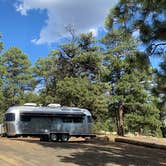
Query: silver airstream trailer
{"points": [[48, 123]]}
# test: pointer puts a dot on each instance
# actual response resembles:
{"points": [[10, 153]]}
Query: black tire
{"points": [[64, 137], [54, 137]]}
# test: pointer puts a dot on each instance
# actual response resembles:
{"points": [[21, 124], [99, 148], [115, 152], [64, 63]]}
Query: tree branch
{"points": [[154, 46]]}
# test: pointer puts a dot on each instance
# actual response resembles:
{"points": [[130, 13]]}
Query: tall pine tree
{"points": [[17, 78], [130, 85]]}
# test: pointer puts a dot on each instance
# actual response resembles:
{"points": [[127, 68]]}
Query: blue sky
{"points": [[18, 30], [36, 25]]}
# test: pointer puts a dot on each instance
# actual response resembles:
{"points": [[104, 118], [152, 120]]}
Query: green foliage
{"points": [[88, 64], [80, 92], [17, 75], [103, 126], [45, 71], [147, 17], [130, 90], [78, 58], [29, 97], [1, 43], [2, 108], [144, 120], [160, 89]]}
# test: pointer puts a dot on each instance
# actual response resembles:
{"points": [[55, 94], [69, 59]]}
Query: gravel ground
{"points": [[32, 152]]}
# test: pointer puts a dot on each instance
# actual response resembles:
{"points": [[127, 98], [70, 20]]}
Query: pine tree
{"points": [[78, 58], [82, 93], [129, 83], [161, 82], [17, 77], [160, 91], [144, 17]]}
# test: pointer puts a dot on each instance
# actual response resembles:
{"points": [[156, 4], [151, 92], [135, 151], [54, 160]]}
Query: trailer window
{"points": [[72, 119], [25, 118], [10, 117], [78, 120], [67, 120]]}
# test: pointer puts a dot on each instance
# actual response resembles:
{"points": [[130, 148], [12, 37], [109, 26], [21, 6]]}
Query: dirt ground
{"points": [[32, 152], [155, 140]]}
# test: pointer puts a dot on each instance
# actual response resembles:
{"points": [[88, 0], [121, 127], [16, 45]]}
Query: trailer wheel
{"points": [[54, 137], [64, 137]]}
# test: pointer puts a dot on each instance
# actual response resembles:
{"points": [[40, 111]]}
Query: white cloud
{"points": [[86, 15]]}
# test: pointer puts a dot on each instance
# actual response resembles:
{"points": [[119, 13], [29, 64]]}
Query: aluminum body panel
{"points": [[45, 124]]}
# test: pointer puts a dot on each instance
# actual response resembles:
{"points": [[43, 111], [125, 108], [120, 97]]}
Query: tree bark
{"points": [[121, 123], [117, 121]]}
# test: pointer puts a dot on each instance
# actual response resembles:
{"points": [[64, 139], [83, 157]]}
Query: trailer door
{"points": [[56, 124]]}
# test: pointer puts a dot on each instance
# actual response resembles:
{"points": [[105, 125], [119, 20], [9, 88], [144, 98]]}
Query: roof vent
{"points": [[30, 104], [54, 105]]}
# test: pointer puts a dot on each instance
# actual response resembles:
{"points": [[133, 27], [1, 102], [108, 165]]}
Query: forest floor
{"points": [[33, 152]]}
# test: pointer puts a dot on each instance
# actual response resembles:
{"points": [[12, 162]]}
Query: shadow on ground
{"points": [[87, 153]]}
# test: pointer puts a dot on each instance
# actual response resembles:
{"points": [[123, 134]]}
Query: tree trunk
{"points": [[117, 121], [121, 124]]}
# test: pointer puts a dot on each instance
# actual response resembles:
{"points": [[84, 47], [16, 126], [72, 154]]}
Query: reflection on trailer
{"points": [[56, 123]]}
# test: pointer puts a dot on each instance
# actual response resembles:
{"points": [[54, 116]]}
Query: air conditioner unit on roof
{"points": [[30, 104], [54, 105]]}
